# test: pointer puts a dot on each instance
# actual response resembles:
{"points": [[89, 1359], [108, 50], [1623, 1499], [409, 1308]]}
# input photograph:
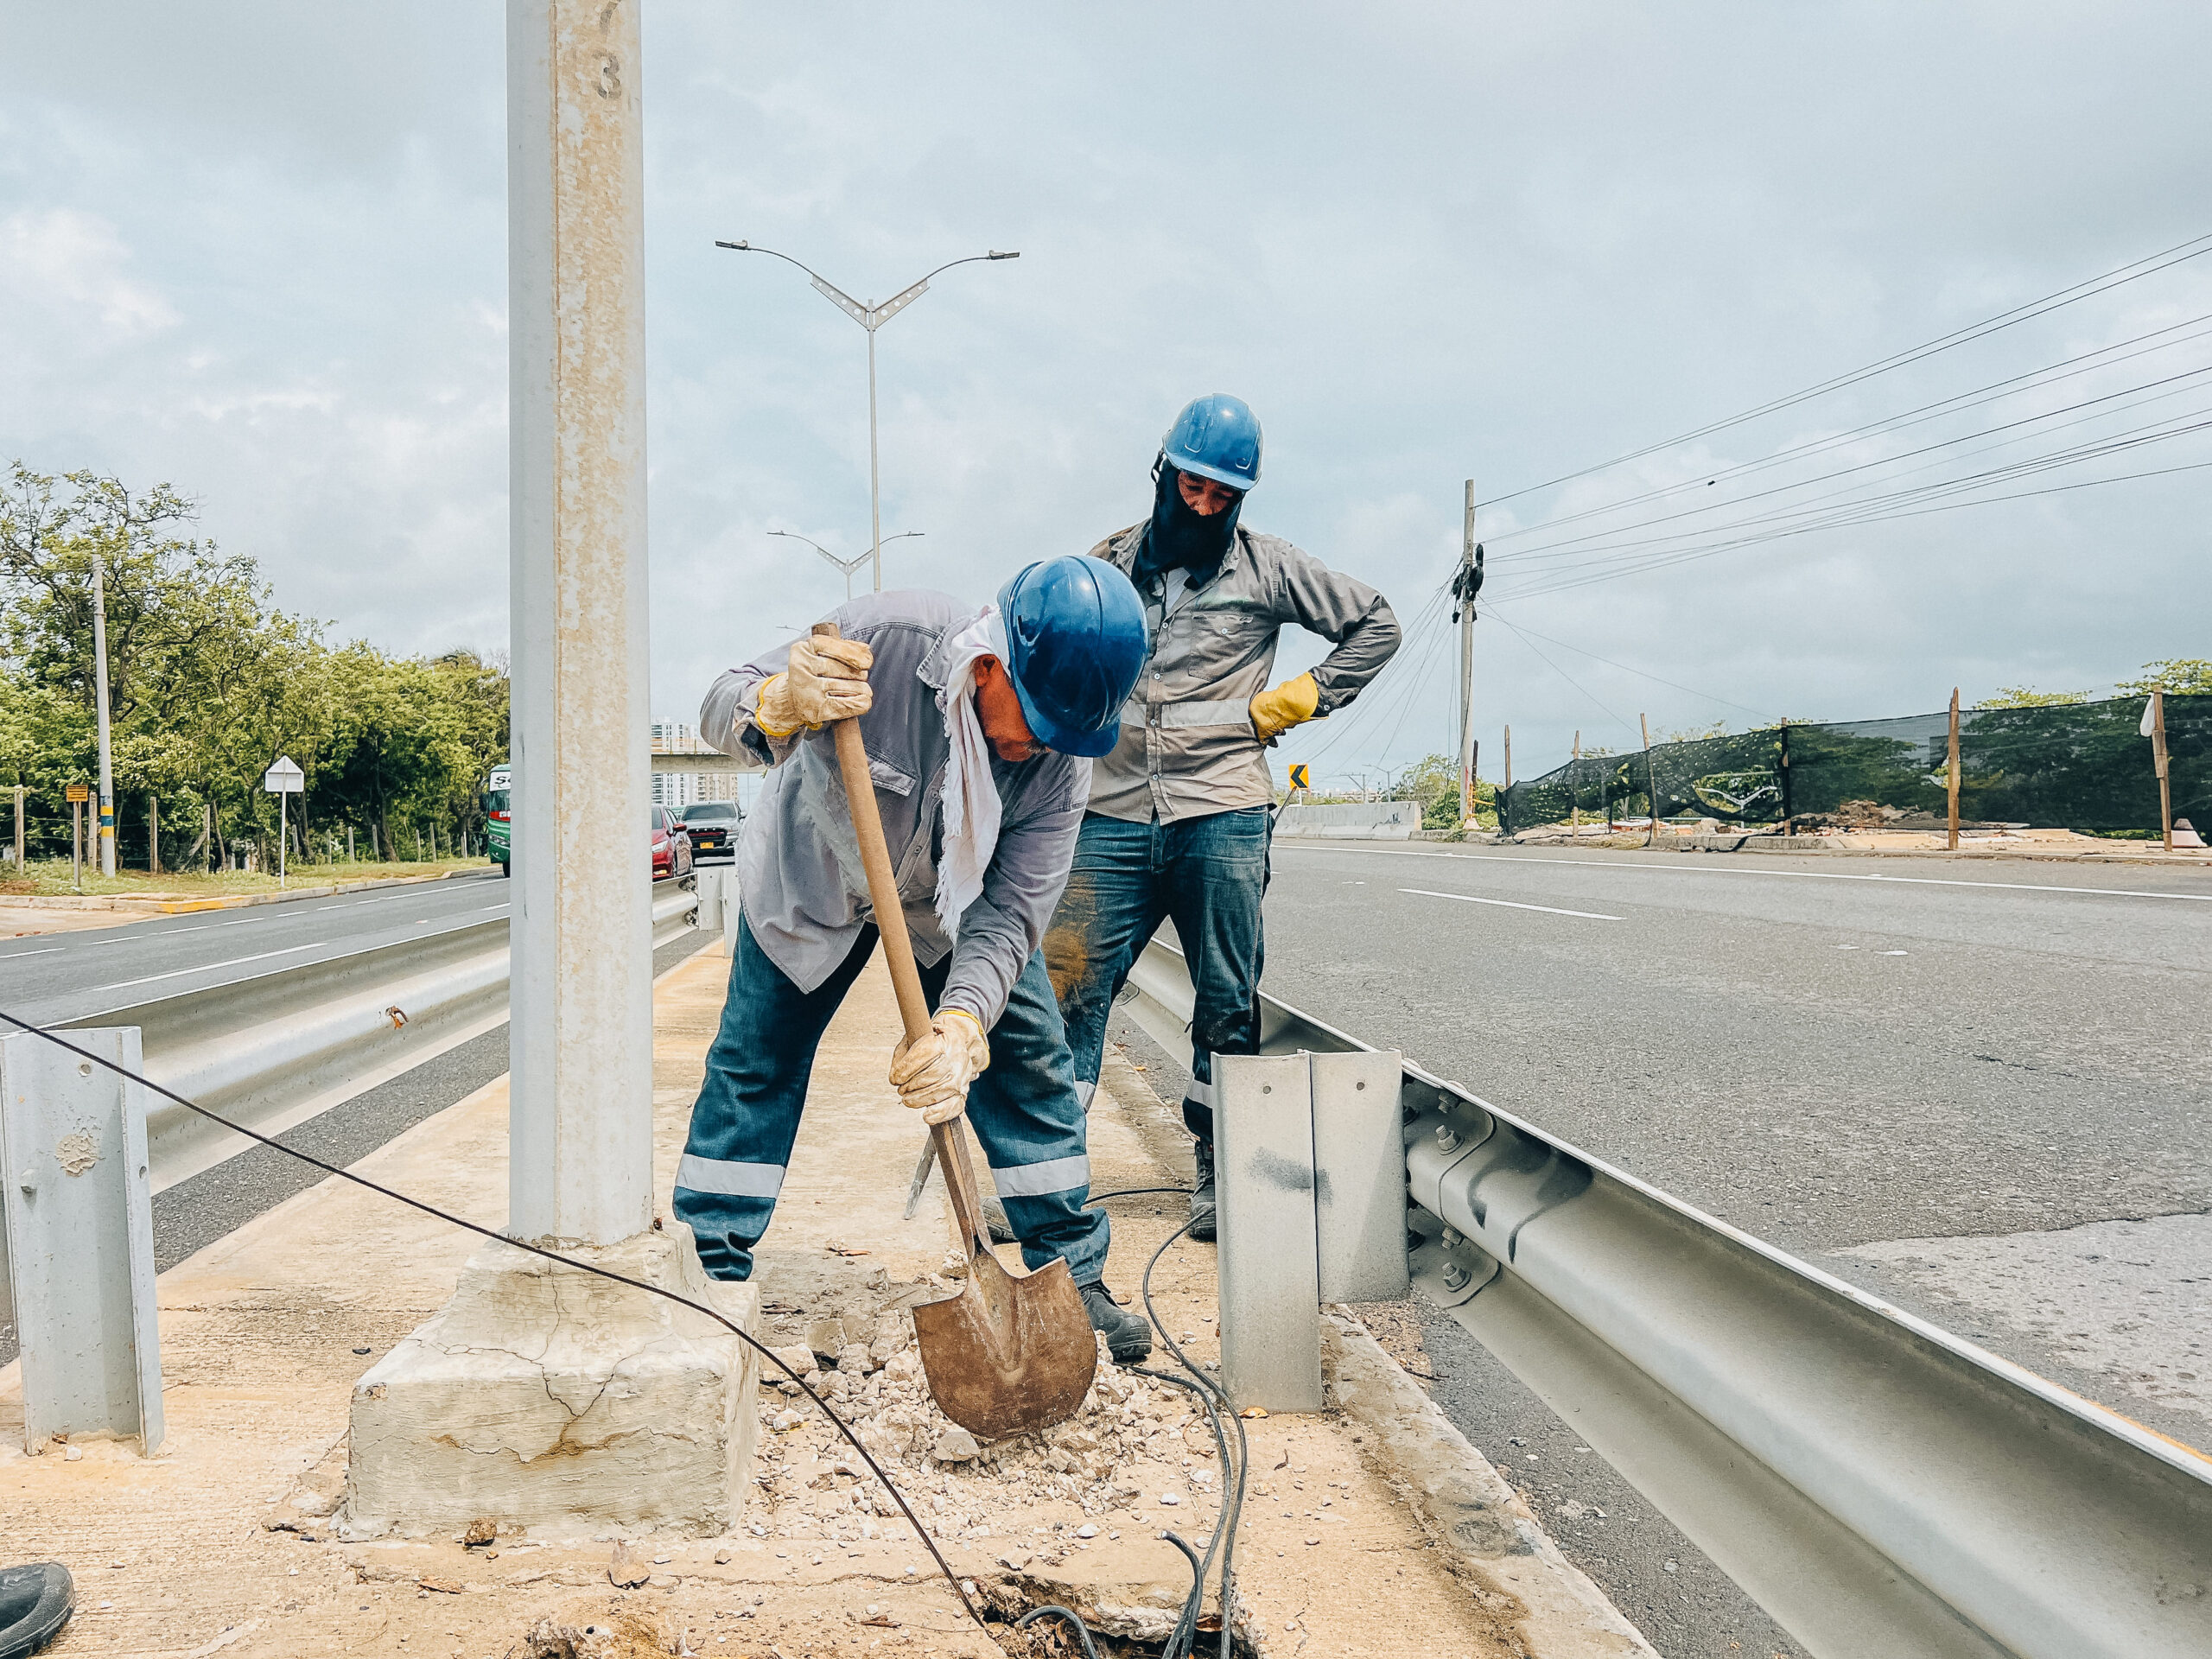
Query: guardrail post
{"points": [[80, 1226], [1359, 1189], [709, 917], [1269, 1254]]}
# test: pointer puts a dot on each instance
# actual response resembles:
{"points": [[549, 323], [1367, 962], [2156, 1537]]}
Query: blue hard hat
{"points": [[1075, 629], [1216, 437]]}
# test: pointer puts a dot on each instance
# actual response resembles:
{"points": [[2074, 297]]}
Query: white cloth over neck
{"points": [[971, 795]]}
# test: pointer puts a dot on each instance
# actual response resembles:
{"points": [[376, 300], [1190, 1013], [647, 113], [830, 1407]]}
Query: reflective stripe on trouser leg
{"points": [[750, 1101], [1026, 1114]]}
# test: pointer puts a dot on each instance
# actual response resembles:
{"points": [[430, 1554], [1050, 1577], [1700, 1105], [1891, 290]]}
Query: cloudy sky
{"points": [[258, 250]]}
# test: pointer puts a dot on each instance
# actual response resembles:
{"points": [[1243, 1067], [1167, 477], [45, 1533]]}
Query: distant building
{"points": [[677, 790]]}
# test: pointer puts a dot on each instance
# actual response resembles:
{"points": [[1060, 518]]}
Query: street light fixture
{"points": [[871, 317], [847, 566]]}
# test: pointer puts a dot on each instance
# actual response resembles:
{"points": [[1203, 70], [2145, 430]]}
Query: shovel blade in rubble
{"points": [[1007, 1356]]}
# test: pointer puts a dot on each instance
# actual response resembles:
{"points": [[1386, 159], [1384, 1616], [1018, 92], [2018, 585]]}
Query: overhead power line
{"points": [[1599, 540], [2196, 247], [1959, 402]]}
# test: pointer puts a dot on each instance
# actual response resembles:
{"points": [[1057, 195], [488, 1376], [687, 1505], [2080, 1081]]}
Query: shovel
{"points": [[1006, 1356]]}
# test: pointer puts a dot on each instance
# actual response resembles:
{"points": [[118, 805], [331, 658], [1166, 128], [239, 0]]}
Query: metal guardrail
{"points": [[273, 1049], [1879, 1485]]}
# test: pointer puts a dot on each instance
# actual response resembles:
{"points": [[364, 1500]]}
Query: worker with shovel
{"points": [[978, 730], [1181, 809]]}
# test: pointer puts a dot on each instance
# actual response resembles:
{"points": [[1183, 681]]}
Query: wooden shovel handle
{"points": [[898, 957]]}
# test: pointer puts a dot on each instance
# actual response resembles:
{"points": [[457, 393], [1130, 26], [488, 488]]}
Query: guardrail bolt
{"points": [[1455, 1276], [1447, 1138], [1451, 1237]]}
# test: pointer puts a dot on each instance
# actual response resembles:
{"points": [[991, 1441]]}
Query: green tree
{"points": [[2177, 676], [2021, 696]]}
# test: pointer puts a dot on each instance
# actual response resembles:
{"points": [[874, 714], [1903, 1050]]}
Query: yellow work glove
{"points": [[932, 1075], [1291, 704], [824, 680]]}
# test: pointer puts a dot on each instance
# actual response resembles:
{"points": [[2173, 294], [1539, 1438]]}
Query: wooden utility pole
{"points": [[1954, 769], [1470, 581], [2155, 718], [1574, 802], [1650, 785]]}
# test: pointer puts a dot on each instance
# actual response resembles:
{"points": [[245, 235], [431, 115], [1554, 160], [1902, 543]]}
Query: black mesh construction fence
{"points": [[2082, 765]]}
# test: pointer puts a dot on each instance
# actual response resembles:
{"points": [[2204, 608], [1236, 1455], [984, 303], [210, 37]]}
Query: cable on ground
{"points": [[843, 1427]]}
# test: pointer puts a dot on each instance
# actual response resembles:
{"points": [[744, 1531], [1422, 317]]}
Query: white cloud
{"points": [[265, 261], [63, 267]]}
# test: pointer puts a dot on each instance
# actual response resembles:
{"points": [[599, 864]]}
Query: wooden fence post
{"points": [[1955, 769], [1574, 806], [2158, 724], [1650, 785]]}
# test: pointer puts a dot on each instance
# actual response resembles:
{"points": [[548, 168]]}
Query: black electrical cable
{"points": [[2019, 314], [867, 1457], [2012, 385], [1233, 1506], [1082, 1629], [1131, 1192]]}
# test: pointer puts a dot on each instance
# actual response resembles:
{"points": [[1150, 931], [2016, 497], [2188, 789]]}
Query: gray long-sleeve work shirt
{"points": [[803, 888], [1187, 746]]}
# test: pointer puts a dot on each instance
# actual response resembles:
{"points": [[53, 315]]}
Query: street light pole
{"points": [[847, 566], [100, 698], [872, 317]]}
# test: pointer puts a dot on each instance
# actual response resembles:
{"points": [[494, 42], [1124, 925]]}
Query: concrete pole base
{"points": [[545, 1398]]}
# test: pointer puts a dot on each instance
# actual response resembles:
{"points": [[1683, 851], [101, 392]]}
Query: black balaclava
{"points": [[1180, 537]]}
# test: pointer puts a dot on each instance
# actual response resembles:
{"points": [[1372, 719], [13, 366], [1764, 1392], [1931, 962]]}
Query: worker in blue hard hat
{"points": [[980, 727], [1181, 807]]}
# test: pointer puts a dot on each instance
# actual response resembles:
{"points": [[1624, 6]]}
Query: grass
{"points": [[50, 877]]}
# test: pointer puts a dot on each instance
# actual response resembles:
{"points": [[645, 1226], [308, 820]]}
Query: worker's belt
{"points": [[1182, 717]]}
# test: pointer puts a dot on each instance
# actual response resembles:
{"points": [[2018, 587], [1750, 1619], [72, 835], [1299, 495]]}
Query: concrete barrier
{"points": [[1352, 820]]}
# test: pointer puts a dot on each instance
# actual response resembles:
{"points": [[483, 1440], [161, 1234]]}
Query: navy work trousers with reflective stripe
{"points": [[1024, 1107], [1208, 875]]}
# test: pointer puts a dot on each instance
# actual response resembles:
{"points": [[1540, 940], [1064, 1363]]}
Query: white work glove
{"points": [[825, 680], [932, 1075]]}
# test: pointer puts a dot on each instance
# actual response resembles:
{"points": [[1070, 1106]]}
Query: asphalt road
{"points": [[196, 1212], [49, 976], [1980, 1091]]}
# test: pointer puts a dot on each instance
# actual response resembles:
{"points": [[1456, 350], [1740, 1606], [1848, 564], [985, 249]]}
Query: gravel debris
{"points": [[1126, 1440]]}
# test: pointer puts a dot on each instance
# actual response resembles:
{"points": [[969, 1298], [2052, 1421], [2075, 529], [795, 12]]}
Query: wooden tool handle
{"points": [[898, 957]]}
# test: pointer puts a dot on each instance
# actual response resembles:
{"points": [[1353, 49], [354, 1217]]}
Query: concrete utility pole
{"points": [[99, 698], [580, 1116], [1464, 590], [649, 1412]]}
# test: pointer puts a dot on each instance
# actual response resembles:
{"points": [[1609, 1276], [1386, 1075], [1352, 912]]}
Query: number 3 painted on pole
{"points": [[610, 76]]}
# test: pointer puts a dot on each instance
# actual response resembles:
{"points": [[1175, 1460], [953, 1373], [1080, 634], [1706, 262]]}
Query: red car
{"points": [[671, 846]]}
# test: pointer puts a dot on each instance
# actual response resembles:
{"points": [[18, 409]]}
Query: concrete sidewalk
{"points": [[1369, 1529]]}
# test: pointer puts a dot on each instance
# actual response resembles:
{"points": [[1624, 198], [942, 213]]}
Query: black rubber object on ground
{"points": [[36, 1602]]}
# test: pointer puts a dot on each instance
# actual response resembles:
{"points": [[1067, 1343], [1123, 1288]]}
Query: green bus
{"points": [[498, 790]]}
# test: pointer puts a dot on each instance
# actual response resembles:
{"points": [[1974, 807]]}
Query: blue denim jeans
{"points": [[1024, 1107], [1207, 875]]}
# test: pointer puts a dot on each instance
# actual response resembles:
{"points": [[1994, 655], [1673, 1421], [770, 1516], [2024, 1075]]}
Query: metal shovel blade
{"points": [[1007, 1356]]}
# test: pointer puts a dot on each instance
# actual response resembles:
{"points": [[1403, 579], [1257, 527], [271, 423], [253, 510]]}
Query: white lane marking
{"points": [[502, 905], [208, 967], [1728, 869], [46, 951], [1507, 904]]}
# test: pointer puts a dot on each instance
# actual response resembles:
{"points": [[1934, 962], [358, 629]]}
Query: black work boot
{"points": [[1129, 1336], [1202, 1195]]}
